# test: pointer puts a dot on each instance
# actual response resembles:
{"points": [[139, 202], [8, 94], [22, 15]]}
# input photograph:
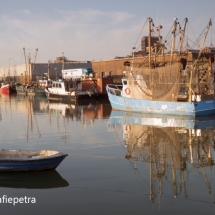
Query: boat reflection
{"points": [[81, 111], [172, 148], [38, 102], [33, 180]]}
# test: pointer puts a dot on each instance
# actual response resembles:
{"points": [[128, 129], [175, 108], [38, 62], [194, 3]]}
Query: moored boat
{"points": [[7, 89], [71, 90], [29, 160], [30, 89], [179, 86]]}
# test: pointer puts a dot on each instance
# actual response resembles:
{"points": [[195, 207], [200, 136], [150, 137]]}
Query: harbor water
{"points": [[117, 163]]}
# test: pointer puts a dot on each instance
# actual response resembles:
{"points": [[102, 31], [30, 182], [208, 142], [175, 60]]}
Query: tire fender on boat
{"points": [[127, 91]]}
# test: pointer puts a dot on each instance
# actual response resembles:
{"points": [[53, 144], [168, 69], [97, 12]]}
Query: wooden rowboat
{"points": [[29, 160]]}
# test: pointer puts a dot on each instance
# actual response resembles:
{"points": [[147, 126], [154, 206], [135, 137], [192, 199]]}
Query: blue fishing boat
{"points": [[29, 160], [178, 86]]}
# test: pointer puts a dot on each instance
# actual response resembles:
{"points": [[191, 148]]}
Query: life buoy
{"points": [[127, 128], [127, 91]]}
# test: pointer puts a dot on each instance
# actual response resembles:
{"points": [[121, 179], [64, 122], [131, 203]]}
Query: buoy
{"points": [[128, 128], [127, 91]]}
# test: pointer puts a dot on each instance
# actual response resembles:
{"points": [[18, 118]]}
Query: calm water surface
{"points": [[118, 163]]}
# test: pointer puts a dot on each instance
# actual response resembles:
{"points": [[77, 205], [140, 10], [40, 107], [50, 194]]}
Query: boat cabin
{"points": [[45, 83], [62, 86]]}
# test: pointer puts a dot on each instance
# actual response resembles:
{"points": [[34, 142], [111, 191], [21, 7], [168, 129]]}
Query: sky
{"points": [[87, 30]]}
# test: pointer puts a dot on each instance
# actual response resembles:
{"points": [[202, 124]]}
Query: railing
{"points": [[114, 89]]}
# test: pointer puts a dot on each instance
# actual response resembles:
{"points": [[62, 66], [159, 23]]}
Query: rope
{"points": [[140, 32]]}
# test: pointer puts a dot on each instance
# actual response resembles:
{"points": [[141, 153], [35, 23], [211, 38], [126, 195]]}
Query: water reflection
{"points": [[86, 112], [80, 111], [172, 147], [33, 180]]}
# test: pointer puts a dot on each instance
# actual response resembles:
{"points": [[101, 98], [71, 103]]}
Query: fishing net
{"points": [[157, 84]]}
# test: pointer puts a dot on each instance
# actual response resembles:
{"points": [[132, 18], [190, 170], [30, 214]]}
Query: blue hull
{"points": [[161, 107], [14, 165]]}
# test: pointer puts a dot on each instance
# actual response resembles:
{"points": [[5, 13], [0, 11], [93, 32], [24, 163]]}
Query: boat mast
{"points": [[194, 64], [182, 35], [48, 70], [25, 65], [149, 40], [173, 38], [63, 61], [132, 65], [29, 69], [34, 61], [206, 33]]}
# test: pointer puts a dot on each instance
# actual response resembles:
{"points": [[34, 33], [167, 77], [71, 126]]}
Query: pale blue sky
{"points": [[90, 29]]}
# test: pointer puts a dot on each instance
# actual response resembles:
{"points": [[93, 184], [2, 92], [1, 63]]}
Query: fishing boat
{"points": [[32, 89], [29, 160], [7, 89], [178, 86], [28, 87], [71, 90]]}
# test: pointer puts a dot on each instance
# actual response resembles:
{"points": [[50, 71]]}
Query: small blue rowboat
{"points": [[29, 160]]}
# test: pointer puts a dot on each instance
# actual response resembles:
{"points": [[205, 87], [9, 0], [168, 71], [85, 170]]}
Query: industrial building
{"points": [[38, 71]]}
